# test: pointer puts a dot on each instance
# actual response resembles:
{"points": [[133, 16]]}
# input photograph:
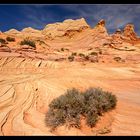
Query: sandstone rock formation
{"points": [[13, 32], [30, 32], [129, 32], [64, 28], [4, 48], [30, 78], [100, 27]]}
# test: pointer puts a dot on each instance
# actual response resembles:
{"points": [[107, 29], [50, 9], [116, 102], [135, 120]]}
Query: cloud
{"points": [[116, 16], [35, 16]]}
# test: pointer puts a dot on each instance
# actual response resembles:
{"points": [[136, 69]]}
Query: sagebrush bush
{"points": [[68, 108], [62, 49], [2, 40], [28, 42], [103, 100], [87, 57], [81, 55], [10, 39], [71, 58], [74, 54], [100, 52], [94, 53]]}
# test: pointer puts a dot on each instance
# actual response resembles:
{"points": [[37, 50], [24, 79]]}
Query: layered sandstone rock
{"points": [[30, 78], [26, 32], [99, 34], [129, 32], [30, 32], [4, 48], [13, 32], [126, 37], [64, 28], [100, 27]]}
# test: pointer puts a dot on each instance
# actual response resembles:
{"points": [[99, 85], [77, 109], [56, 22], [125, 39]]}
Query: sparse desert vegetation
{"points": [[94, 53], [40, 65], [69, 107], [3, 41], [28, 42], [10, 39], [71, 58], [74, 54], [62, 49], [81, 55]]}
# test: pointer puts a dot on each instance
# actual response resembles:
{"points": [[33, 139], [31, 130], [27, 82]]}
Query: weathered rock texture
{"points": [[129, 32], [30, 78], [65, 28]]}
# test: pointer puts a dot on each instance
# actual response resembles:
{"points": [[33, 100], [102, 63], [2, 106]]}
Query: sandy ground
{"points": [[27, 87]]}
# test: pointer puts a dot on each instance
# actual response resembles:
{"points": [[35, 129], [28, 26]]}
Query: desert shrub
{"points": [[68, 108], [81, 55], [91, 119], [97, 102], [94, 53], [62, 49], [2, 40], [117, 59], [100, 52], [104, 100], [71, 58], [74, 54], [28, 42], [87, 57], [10, 39]]}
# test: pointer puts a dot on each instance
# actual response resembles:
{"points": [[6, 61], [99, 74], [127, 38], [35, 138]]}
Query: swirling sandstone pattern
{"points": [[31, 78]]}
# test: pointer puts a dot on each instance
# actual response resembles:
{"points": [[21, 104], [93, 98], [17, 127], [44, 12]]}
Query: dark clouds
{"points": [[37, 16]]}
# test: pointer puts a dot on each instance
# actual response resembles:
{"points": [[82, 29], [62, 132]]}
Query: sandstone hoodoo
{"points": [[100, 27], [129, 32], [38, 66], [101, 23]]}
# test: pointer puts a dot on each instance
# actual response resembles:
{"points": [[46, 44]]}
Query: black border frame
{"points": [[12, 2]]}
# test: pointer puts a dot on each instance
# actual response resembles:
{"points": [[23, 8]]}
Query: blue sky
{"points": [[37, 16]]}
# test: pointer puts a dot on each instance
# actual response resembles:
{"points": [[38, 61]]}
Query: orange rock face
{"points": [[129, 32], [64, 28], [68, 54]]}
